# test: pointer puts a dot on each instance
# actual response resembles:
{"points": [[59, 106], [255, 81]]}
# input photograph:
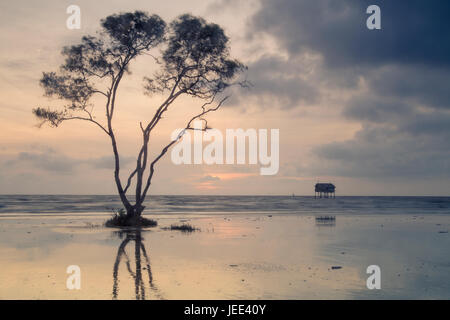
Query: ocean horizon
{"points": [[214, 204]]}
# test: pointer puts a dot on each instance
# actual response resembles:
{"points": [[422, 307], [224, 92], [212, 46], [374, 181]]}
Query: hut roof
{"points": [[325, 187]]}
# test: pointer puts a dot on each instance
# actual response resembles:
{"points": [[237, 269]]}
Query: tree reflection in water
{"points": [[140, 257]]}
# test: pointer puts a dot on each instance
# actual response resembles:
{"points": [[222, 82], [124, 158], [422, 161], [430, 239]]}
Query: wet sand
{"points": [[234, 256]]}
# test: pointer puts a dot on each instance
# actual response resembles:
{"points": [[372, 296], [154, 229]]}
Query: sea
{"points": [[210, 205]]}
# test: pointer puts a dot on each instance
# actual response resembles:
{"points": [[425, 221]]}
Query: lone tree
{"points": [[194, 60]]}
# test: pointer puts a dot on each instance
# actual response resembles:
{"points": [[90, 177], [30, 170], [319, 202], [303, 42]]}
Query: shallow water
{"points": [[265, 255]]}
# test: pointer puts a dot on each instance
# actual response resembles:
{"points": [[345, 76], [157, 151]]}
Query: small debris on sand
{"points": [[336, 267]]}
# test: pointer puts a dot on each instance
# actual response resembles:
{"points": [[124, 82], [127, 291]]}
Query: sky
{"points": [[368, 110]]}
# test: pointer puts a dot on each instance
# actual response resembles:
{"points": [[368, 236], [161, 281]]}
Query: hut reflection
{"points": [[325, 221], [142, 268]]}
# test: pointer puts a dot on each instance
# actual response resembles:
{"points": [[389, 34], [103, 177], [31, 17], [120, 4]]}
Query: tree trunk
{"points": [[135, 212]]}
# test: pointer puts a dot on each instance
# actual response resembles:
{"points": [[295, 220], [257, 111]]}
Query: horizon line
{"points": [[217, 195]]}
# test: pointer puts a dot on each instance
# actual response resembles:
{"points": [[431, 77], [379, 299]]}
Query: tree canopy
{"points": [[194, 60]]}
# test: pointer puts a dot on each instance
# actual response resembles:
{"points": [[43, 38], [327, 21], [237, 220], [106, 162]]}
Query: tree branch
{"points": [[180, 135], [86, 119], [129, 180]]}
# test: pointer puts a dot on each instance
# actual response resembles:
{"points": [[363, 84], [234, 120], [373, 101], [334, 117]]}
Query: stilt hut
{"points": [[325, 190]]}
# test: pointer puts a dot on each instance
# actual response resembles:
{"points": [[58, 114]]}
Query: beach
{"points": [[239, 255]]}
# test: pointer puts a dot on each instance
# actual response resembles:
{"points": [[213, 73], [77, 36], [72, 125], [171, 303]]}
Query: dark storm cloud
{"points": [[408, 58], [385, 153], [414, 31], [403, 117], [428, 86], [412, 50], [405, 67], [393, 142], [436, 124], [374, 109]]}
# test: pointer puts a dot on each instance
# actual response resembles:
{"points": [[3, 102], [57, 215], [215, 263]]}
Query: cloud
{"points": [[396, 140], [208, 178], [410, 49], [16, 64], [49, 161], [424, 85], [52, 161], [415, 32], [374, 109], [396, 80], [107, 162], [434, 125], [223, 5], [408, 58], [277, 81], [381, 154]]}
